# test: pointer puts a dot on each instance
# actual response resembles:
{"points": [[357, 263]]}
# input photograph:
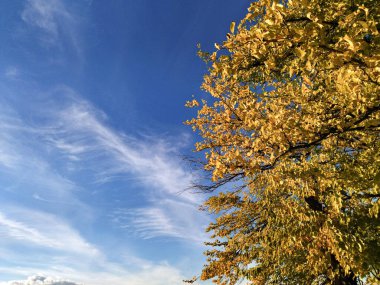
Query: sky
{"points": [[93, 181]]}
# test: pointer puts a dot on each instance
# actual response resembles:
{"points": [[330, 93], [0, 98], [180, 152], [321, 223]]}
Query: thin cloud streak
{"points": [[147, 222], [57, 25], [44, 230], [77, 135], [70, 130], [69, 256], [167, 218], [82, 133], [26, 166], [12, 73]]}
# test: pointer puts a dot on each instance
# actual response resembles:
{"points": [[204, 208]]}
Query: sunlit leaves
{"points": [[295, 116]]}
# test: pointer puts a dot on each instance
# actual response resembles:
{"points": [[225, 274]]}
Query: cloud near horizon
{"points": [[40, 280], [55, 248], [158, 274]]}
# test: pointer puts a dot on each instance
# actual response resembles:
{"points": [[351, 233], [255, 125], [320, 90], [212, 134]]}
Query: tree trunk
{"points": [[345, 280]]}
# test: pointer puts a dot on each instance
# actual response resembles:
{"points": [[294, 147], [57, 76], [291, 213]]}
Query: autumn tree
{"points": [[291, 132]]}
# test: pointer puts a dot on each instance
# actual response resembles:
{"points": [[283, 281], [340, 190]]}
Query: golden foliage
{"points": [[294, 116]]}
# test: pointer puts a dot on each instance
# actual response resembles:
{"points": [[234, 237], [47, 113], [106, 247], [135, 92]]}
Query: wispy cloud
{"points": [[77, 134], [30, 227], [57, 250], [9, 122], [12, 72], [84, 137], [83, 133], [57, 25], [52, 157], [166, 218], [148, 222], [25, 166]]}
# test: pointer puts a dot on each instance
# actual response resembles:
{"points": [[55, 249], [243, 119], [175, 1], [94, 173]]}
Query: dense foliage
{"points": [[294, 120]]}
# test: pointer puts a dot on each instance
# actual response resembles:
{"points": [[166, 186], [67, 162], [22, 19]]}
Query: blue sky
{"points": [[92, 97]]}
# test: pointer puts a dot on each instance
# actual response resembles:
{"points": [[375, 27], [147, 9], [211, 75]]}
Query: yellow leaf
{"points": [[232, 27]]}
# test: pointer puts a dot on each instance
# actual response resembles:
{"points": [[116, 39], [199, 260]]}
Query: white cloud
{"points": [[58, 26], [82, 132], [7, 159], [44, 230], [76, 137], [9, 148], [166, 218], [153, 274], [26, 169], [147, 222], [69, 256], [12, 72], [170, 211], [44, 14], [40, 280]]}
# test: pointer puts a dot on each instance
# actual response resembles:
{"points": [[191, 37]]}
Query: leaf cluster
{"points": [[295, 116]]}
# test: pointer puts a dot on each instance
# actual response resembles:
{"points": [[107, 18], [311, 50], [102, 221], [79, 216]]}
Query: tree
{"points": [[293, 119]]}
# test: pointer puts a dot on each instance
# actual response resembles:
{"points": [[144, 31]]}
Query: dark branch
{"points": [[314, 204]]}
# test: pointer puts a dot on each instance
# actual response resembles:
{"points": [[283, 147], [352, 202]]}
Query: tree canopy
{"points": [[292, 132]]}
